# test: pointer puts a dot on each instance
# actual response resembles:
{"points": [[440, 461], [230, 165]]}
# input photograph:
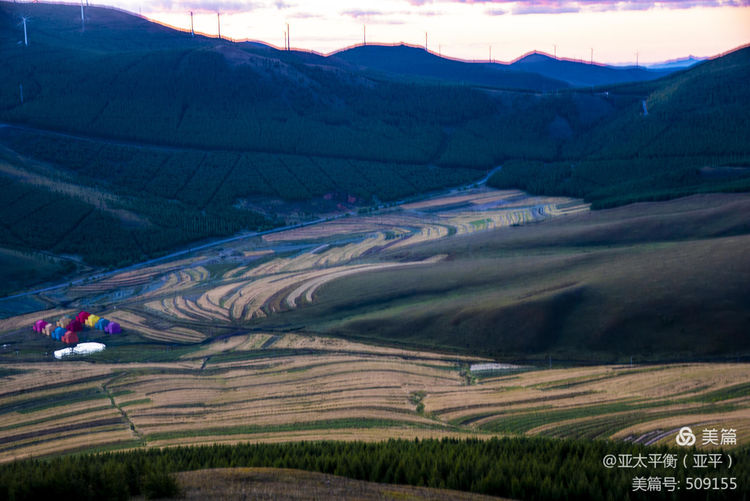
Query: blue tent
{"points": [[58, 333], [101, 323]]}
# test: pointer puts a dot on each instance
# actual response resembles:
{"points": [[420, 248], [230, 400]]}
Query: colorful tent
{"points": [[58, 333], [48, 329], [82, 316], [74, 326], [102, 324], [64, 320], [70, 337], [113, 328], [91, 321]]}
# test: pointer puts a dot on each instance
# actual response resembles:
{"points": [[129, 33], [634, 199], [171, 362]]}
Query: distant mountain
{"points": [[534, 71], [686, 133], [677, 64], [580, 74], [404, 60]]}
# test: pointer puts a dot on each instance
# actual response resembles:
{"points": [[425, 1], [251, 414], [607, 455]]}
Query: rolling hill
{"points": [[580, 74], [402, 60], [534, 71], [656, 280], [688, 134]]}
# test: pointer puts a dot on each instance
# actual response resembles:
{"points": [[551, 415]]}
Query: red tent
{"points": [[39, 325], [74, 326], [82, 316], [70, 338]]}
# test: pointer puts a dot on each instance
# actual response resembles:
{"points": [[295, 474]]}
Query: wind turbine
{"points": [[25, 38]]}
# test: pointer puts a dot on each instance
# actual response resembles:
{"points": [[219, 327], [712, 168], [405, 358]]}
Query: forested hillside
{"points": [[192, 137], [687, 135], [519, 468]]}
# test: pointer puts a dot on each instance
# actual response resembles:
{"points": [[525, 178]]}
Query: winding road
{"points": [[215, 243]]}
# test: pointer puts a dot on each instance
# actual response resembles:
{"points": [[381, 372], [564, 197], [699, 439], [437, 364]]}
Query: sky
{"points": [[615, 30]]}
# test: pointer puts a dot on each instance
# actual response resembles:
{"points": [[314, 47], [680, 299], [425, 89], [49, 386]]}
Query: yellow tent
{"points": [[92, 320]]}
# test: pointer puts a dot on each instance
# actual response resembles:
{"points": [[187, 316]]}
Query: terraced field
{"points": [[196, 365], [280, 387], [256, 277]]}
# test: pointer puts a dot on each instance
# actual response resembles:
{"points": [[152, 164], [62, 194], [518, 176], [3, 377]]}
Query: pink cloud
{"points": [[564, 6]]}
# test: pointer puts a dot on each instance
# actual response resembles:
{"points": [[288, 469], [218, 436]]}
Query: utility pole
{"points": [[83, 19], [288, 38], [364, 34], [555, 46], [218, 22], [192, 28], [592, 56], [425, 40], [490, 53], [25, 38]]}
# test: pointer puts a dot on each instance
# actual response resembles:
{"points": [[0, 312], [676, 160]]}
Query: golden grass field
{"points": [[308, 387], [258, 277], [262, 278], [211, 380]]}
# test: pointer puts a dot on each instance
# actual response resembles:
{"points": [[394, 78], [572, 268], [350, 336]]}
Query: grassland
{"points": [[654, 281], [465, 271], [230, 345], [292, 387], [273, 483]]}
